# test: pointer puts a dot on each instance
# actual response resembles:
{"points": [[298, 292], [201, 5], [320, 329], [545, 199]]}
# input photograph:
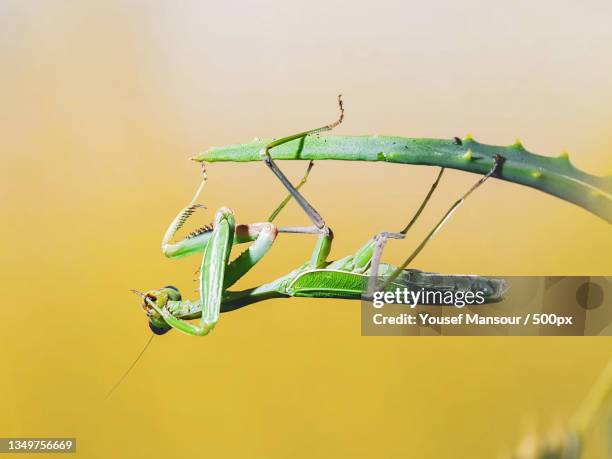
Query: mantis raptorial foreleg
{"points": [[183, 215], [212, 276], [213, 261]]}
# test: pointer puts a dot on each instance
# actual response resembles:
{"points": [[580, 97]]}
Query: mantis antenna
{"points": [[127, 372]]}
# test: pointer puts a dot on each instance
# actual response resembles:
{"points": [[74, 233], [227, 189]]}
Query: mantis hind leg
{"points": [[369, 255], [379, 241], [366, 258], [377, 244], [499, 160], [417, 214]]}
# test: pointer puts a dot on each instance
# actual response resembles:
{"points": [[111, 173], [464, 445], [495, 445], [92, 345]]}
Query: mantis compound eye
{"points": [[159, 329]]}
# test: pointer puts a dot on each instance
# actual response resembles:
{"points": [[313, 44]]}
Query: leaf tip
{"points": [[564, 156]]}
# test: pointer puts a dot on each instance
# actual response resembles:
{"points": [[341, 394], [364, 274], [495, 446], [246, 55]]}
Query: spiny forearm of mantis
{"points": [[553, 175]]}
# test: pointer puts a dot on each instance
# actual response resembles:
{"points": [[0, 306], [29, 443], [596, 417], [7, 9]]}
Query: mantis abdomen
{"points": [[327, 283]]}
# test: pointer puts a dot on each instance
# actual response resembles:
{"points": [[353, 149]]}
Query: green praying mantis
{"points": [[354, 276]]}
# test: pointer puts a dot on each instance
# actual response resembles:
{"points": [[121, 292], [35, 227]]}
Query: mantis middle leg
{"points": [[323, 246]]}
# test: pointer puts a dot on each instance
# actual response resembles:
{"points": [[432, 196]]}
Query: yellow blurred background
{"points": [[103, 102]]}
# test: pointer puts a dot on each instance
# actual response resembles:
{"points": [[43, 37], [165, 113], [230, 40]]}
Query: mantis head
{"points": [[159, 298]]}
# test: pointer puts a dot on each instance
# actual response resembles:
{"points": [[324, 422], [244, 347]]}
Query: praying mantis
{"points": [[354, 276]]}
